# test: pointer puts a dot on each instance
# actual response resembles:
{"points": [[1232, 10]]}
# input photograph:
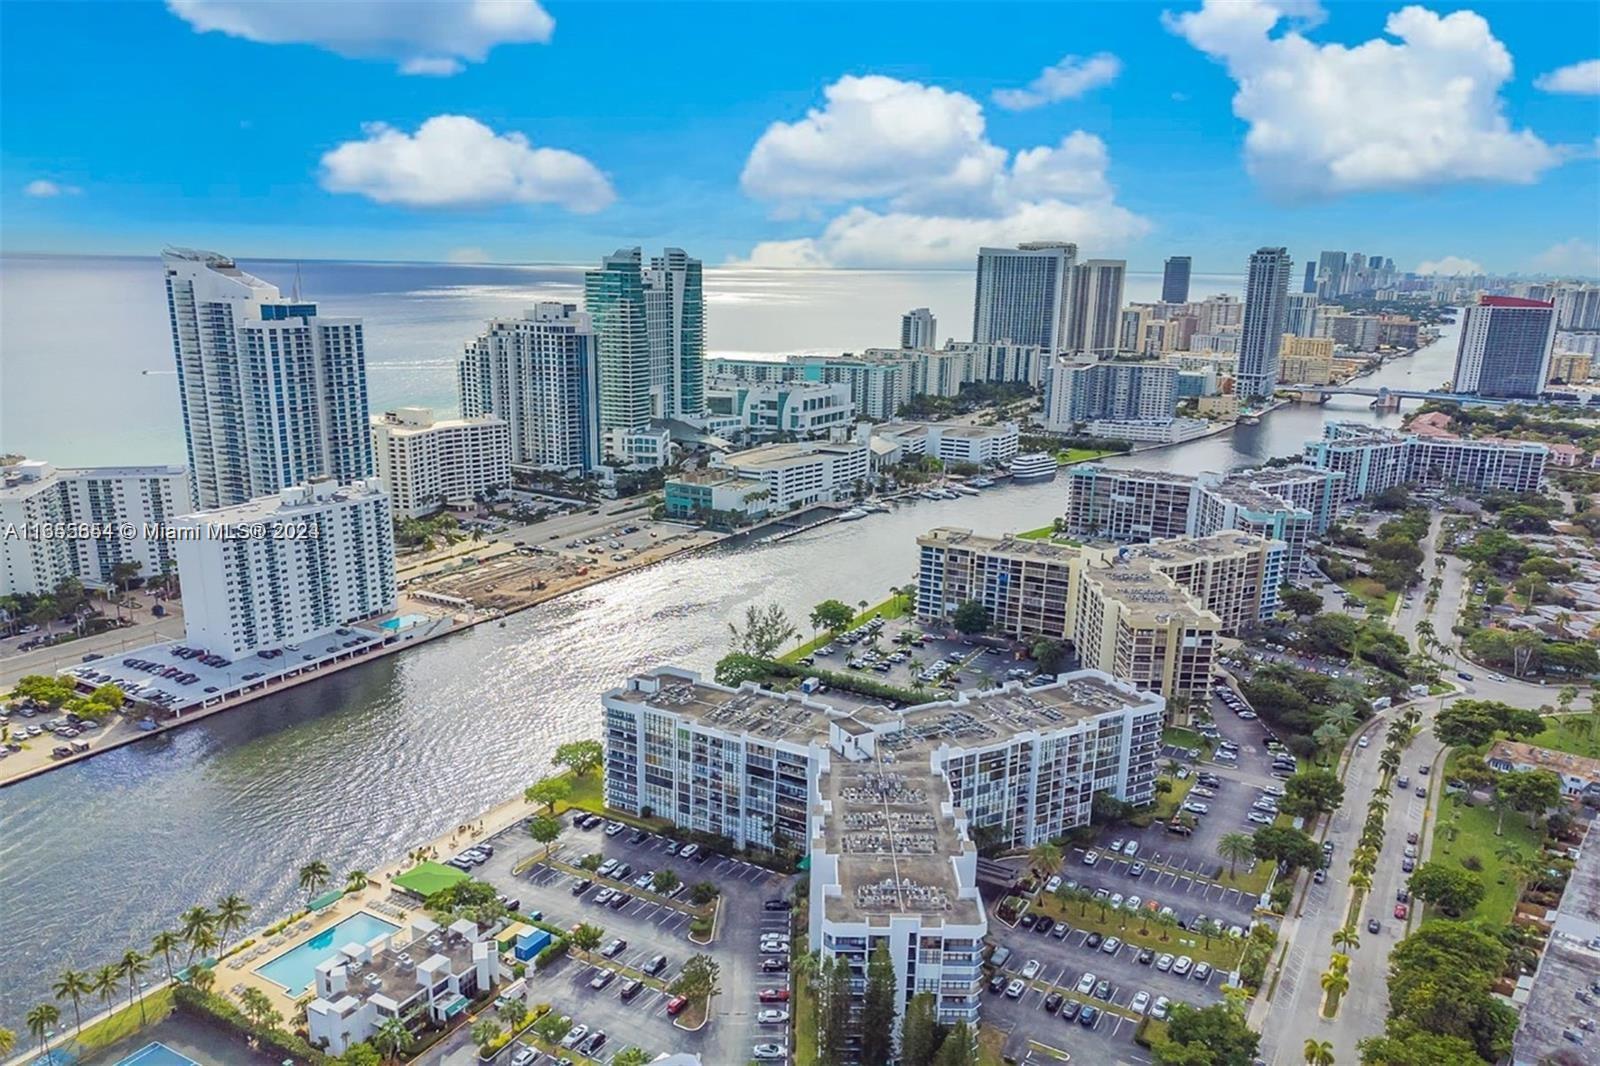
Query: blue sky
{"points": [[571, 129]]}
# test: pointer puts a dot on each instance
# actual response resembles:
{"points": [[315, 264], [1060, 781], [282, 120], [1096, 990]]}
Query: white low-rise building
{"points": [[801, 473], [280, 569], [432, 975], [1149, 430], [428, 464], [951, 443], [764, 409], [82, 523], [639, 449]]}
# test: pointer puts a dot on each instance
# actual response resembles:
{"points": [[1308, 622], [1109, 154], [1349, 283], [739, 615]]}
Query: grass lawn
{"points": [[991, 1047], [1080, 455], [890, 609], [1167, 803], [1048, 533], [123, 1024], [1474, 837], [805, 1024], [1379, 599], [1179, 737], [587, 794], [1221, 951], [1568, 733], [1249, 880]]}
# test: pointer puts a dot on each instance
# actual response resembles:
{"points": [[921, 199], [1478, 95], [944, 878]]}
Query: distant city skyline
{"points": [[779, 164]]}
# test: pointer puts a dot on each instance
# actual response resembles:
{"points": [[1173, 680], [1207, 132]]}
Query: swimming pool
{"points": [[296, 968], [405, 621]]}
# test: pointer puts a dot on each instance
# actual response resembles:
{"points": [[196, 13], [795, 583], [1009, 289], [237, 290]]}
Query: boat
{"points": [[928, 494], [965, 490], [981, 482], [1034, 466], [878, 508], [853, 515]]}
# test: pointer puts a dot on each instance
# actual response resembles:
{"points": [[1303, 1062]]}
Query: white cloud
{"points": [[43, 189], [1066, 80], [1573, 258], [455, 161], [1580, 79], [921, 182], [1423, 109], [432, 37], [1449, 266]]}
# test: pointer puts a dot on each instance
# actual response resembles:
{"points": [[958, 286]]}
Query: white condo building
{"points": [[272, 393], [918, 329], [428, 464], [1024, 294], [1096, 318], [121, 509], [950, 443], [284, 568], [886, 804], [539, 375]]}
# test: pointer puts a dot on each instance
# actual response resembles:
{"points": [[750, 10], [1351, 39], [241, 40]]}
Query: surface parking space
{"points": [[976, 664]]}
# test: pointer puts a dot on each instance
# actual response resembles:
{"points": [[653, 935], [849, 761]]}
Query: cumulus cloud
{"points": [[1574, 258], [1580, 79], [429, 37], [1449, 266], [455, 161], [44, 189], [1419, 110], [1070, 78], [920, 182]]}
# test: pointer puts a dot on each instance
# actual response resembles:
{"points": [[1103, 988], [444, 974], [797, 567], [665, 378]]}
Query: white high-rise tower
{"points": [[1024, 294]]}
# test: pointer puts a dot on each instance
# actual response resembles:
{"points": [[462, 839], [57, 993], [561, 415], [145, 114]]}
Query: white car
{"points": [[1364, 742], [524, 1056], [1091, 857], [772, 1017], [1248, 716], [769, 1051], [688, 852], [1086, 984], [1259, 818], [1053, 884], [1164, 962], [575, 1034], [1139, 1003], [1116, 901], [1111, 945], [1133, 903], [1158, 1009], [613, 828], [1015, 989], [1031, 970], [1116, 845], [1182, 966], [1131, 849]]}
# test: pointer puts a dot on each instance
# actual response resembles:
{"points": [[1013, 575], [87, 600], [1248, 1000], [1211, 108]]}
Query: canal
{"points": [[97, 857]]}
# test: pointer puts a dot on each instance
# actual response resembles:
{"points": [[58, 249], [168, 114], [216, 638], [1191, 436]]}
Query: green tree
{"points": [[361, 1054], [957, 1048], [8, 1041], [970, 617], [232, 913], [1236, 848], [1302, 602], [631, 1056], [484, 1032], [735, 668], [765, 630], [133, 966], [255, 1005], [1047, 654], [73, 985], [393, 1039], [698, 980], [106, 982], [41, 1020], [1531, 791], [1044, 858], [832, 615], [1214, 1035], [919, 1032], [1319, 1052], [314, 876], [581, 756], [1287, 845], [664, 881], [587, 937], [1312, 792], [833, 1011], [1453, 889], [545, 829], [552, 1027], [164, 944], [1403, 1044], [548, 791], [878, 1009], [356, 881]]}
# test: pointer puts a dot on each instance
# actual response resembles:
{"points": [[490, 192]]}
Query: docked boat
{"points": [[981, 482], [929, 494], [852, 515], [1034, 466], [965, 490]]}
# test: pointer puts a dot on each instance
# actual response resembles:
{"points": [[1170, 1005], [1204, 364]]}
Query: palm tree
{"points": [[1319, 1053], [41, 1020], [134, 966], [202, 979], [587, 937], [484, 1031], [231, 915], [1341, 715], [255, 1005], [1335, 983], [164, 944], [392, 1039], [1236, 848], [204, 943], [1361, 880], [73, 985], [1346, 938], [192, 922], [1165, 921], [8, 1041], [356, 880], [104, 983], [1389, 761], [313, 876], [1044, 858]]}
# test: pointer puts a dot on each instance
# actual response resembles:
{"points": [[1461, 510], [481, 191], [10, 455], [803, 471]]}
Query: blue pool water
{"points": [[156, 1054], [296, 968], [405, 621]]}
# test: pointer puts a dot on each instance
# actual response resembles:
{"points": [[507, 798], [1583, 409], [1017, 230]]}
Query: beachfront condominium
{"points": [[428, 463], [887, 806], [538, 374], [1148, 615], [918, 329], [272, 393], [122, 511], [1505, 347], [1078, 390], [1266, 294], [1095, 323], [1175, 279], [649, 325], [878, 384], [284, 568], [1024, 294], [1373, 460], [1300, 314]]}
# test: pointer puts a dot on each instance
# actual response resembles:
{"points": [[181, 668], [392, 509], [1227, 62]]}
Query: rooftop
{"points": [[313, 494], [1561, 762], [1570, 965], [776, 455], [401, 969]]}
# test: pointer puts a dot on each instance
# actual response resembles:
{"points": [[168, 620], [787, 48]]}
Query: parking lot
{"points": [[649, 928], [884, 650]]}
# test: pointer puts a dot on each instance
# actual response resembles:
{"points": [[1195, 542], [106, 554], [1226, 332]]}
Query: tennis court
{"points": [[156, 1054]]}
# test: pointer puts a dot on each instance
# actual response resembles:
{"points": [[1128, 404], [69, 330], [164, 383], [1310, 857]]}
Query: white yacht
{"points": [[1034, 466], [852, 515]]}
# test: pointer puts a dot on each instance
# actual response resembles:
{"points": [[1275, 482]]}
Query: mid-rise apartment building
{"points": [[765, 409], [886, 804], [951, 443], [1305, 360], [428, 464], [1001, 362], [539, 375], [1125, 505], [272, 393], [1373, 460], [279, 569], [1078, 391], [771, 479], [122, 512]]}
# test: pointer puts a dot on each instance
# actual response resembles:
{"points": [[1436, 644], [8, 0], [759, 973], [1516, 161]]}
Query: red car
{"points": [[1400, 910], [773, 995], [676, 1004]]}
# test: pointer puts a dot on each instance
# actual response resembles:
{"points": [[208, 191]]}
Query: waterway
{"points": [[97, 857]]}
